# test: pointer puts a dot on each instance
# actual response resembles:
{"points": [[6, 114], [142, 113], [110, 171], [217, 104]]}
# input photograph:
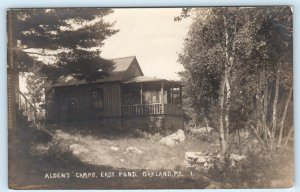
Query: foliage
{"points": [[48, 32], [238, 65], [60, 42], [64, 28]]}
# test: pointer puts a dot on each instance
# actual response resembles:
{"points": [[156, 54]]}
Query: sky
{"points": [[152, 36]]}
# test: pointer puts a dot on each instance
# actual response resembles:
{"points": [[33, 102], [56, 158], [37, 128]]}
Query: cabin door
{"points": [[97, 102]]}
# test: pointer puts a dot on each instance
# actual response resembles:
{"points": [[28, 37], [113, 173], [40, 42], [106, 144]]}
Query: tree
{"points": [[47, 32], [271, 49], [240, 52], [63, 42], [210, 59]]}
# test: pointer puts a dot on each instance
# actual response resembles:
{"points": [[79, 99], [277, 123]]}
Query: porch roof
{"points": [[145, 79]]}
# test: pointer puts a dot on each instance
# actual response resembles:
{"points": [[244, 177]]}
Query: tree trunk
{"points": [[205, 119], [274, 113], [288, 137], [225, 86], [283, 117], [223, 143], [259, 103], [239, 139], [227, 109], [228, 66], [264, 111]]}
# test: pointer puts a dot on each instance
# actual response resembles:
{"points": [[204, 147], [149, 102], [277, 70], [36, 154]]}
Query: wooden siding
{"points": [[112, 100], [75, 102]]}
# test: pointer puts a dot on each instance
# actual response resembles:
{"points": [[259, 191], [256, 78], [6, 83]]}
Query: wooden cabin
{"points": [[125, 99]]}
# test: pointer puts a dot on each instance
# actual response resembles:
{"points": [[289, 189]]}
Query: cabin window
{"points": [[98, 98], [131, 98], [131, 95]]}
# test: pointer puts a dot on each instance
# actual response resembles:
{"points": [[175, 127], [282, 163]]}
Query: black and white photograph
{"points": [[150, 98]]}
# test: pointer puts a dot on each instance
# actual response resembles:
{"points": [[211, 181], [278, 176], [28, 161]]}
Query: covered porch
{"points": [[144, 96]]}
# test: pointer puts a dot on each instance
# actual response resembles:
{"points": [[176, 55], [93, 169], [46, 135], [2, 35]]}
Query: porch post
{"points": [[162, 97], [141, 93], [180, 96], [172, 95], [141, 108]]}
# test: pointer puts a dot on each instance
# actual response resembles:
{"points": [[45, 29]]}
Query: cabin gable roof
{"points": [[124, 68], [134, 70]]}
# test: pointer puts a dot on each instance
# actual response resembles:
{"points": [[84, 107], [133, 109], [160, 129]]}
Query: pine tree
{"points": [[58, 42]]}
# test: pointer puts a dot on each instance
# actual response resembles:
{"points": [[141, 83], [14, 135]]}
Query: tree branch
{"points": [[40, 54], [258, 137]]}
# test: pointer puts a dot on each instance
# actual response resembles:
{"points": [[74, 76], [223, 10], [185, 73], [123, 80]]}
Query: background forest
{"points": [[239, 71]]}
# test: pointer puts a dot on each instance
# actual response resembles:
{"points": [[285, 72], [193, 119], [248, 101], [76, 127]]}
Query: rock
{"points": [[132, 150], [168, 142], [201, 130], [199, 160], [237, 158], [194, 157], [61, 135], [173, 139], [114, 148], [234, 158], [76, 149], [122, 160]]}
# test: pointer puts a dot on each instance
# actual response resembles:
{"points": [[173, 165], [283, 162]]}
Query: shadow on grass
{"points": [[28, 170], [92, 127]]}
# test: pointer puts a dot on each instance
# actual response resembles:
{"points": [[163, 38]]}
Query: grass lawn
{"points": [[154, 156], [75, 149]]}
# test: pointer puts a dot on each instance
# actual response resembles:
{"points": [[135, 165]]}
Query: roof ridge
{"points": [[122, 57]]}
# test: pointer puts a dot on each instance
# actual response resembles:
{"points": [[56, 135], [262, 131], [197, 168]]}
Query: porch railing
{"points": [[26, 107], [150, 109]]}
